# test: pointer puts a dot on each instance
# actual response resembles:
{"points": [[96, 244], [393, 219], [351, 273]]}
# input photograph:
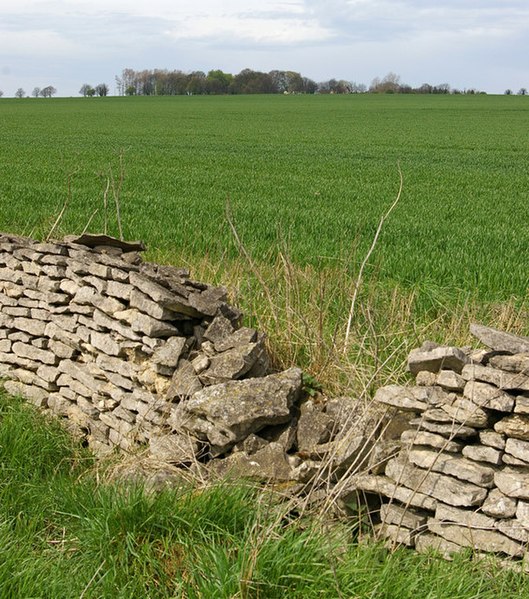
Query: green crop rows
{"points": [[315, 172]]}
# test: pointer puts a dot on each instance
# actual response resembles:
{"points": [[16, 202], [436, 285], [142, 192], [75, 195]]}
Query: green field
{"points": [[315, 171]]}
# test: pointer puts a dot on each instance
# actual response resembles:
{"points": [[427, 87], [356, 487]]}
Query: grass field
{"points": [[66, 533], [315, 171], [308, 179]]}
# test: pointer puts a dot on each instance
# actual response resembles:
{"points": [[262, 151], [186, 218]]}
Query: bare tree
{"points": [[522, 91], [20, 93], [48, 92], [101, 89], [508, 92], [36, 92], [1, 93], [85, 90]]}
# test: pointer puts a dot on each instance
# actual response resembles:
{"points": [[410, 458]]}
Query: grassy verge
{"points": [[64, 533]]}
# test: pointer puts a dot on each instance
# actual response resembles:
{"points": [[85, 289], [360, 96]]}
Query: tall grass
{"points": [[66, 533]]}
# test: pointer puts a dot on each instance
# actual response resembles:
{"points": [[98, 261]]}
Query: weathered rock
{"points": [[482, 453], [498, 505], [425, 378], [144, 304], [313, 429], [169, 353], [231, 365], [456, 466], [174, 448], [522, 405], [483, 540], [268, 464], [522, 513], [500, 341], [492, 439], [517, 363], [507, 381], [464, 411], [104, 342], [488, 396], [391, 513], [418, 437], [414, 399], [226, 413], [518, 449], [451, 430], [513, 482], [35, 395], [32, 353], [450, 380], [444, 488], [466, 518], [219, 330], [242, 336], [437, 358], [514, 529], [384, 485], [184, 382], [516, 426], [396, 534]]}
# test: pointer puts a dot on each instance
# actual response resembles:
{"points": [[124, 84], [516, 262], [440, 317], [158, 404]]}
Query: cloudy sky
{"points": [[480, 44]]}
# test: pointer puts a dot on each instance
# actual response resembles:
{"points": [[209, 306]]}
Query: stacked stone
{"points": [[92, 333], [461, 478]]}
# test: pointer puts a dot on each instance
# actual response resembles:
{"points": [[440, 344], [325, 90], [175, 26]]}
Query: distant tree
{"points": [[309, 86], [218, 82], [358, 88], [130, 90], [85, 89], [508, 92], [20, 93], [101, 89], [48, 91], [390, 84], [522, 91], [1, 93], [36, 92]]}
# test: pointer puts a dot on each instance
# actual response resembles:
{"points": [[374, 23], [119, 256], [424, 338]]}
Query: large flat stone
{"points": [[466, 518], [498, 505], [516, 426], [513, 482], [499, 340], [413, 399], [507, 381], [227, 413], [519, 449], [418, 437], [483, 540], [383, 485], [460, 468], [437, 358], [488, 396], [444, 488]]}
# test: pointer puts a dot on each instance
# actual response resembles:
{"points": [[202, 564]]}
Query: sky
{"points": [[480, 44]]}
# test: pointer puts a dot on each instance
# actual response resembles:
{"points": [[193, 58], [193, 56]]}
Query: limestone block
{"points": [[515, 530], [427, 542], [451, 430], [513, 482], [28, 325], [174, 448], [492, 439], [391, 513], [383, 485], [35, 395], [169, 353], [418, 437], [16, 311], [61, 350], [483, 540], [507, 381], [488, 396], [517, 363], [413, 399], [450, 380], [219, 330], [497, 505], [231, 365], [104, 342], [397, 535], [521, 405], [456, 466], [425, 378], [40, 314], [242, 336], [444, 488], [437, 358], [482, 453], [313, 429], [162, 296], [516, 426], [144, 304], [466, 518], [227, 413], [518, 449], [33, 353], [499, 340]]}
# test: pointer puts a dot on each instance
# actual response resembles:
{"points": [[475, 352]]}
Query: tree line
{"points": [[162, 82]]}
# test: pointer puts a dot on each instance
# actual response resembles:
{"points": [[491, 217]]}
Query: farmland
{"points": [[306, 181], [315, 171]]}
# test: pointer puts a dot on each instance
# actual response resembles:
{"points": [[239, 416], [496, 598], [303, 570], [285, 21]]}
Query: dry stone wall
{"points": [[461, 476], [133, 354]]}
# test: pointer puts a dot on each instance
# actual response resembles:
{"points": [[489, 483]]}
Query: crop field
{"points": [[314, 172]]}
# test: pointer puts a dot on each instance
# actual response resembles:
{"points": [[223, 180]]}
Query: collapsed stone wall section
{"points": [[460, 478], [94, 334]]}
